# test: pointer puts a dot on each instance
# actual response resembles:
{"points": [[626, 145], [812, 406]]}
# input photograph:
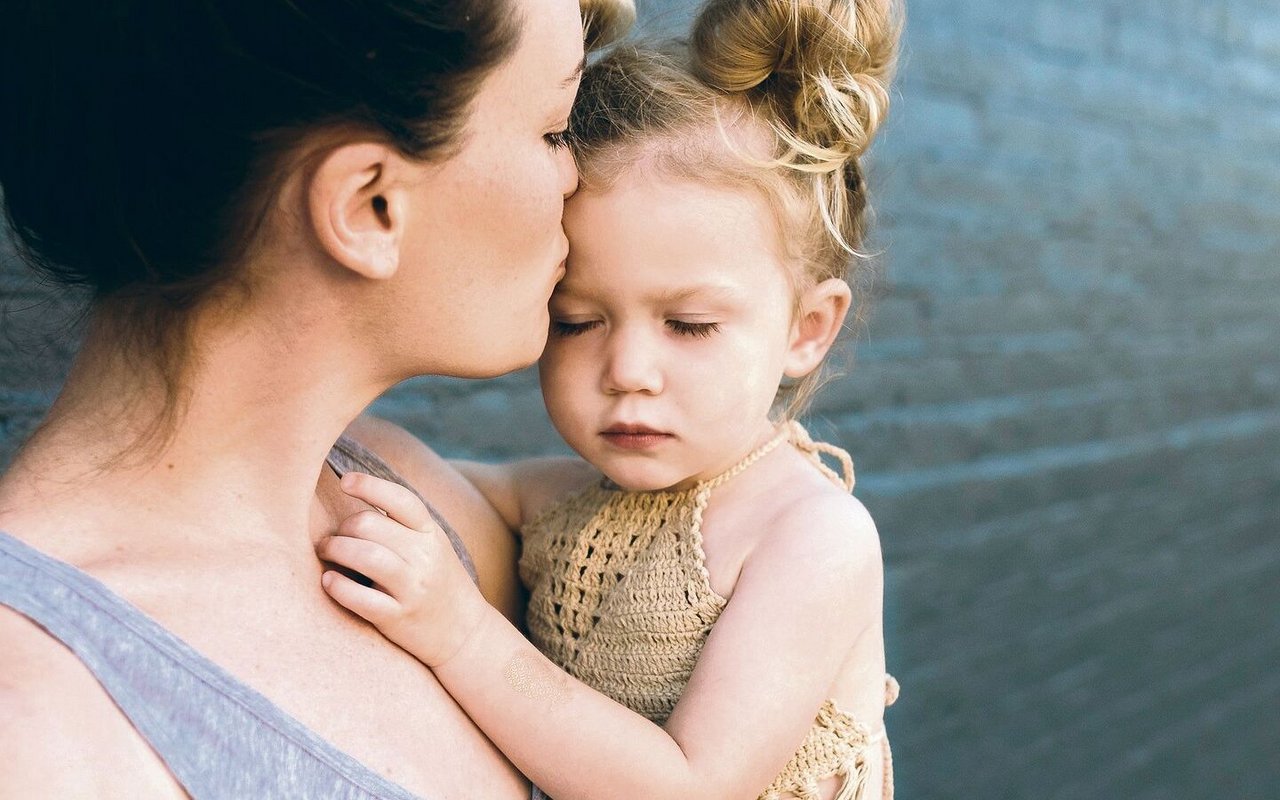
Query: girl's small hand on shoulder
{"points": [[422, 597]]}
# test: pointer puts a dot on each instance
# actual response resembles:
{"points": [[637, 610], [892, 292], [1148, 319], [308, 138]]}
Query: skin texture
{"points": [[791, 636], [361, 279]]}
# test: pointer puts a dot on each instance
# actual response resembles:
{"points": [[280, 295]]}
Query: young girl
{"points": [[707, 614]]}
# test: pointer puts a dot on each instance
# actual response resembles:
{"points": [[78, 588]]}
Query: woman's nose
{"points": [[632, 365], [568, 173]]}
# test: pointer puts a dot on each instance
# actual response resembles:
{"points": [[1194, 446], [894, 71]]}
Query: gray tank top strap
{"points": [[218, 737], [348, 455]]}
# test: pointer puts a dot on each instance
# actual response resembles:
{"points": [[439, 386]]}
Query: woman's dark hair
{"points": [[139, 138]]}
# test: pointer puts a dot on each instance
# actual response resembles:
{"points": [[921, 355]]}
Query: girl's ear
{"points": [[357, 200], [823, 308]]}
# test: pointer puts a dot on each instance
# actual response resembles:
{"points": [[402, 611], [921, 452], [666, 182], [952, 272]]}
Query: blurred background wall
{"points": [[1065, 410]]}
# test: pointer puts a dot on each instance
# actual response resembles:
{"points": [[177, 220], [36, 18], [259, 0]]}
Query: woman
{"points": [[280, 209]]}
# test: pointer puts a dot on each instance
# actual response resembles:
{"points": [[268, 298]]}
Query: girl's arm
{"points": [[518, 490], [805, 599]]}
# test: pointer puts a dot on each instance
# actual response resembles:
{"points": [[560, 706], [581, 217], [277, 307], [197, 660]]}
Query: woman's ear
{"points": [[357, 203], [822, 310]]}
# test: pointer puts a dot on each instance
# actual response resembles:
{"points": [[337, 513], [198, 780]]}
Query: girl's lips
{"points": [[634, 437]]}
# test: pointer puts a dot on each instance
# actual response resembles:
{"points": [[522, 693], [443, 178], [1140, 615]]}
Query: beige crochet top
{"points": [[620, 598]]}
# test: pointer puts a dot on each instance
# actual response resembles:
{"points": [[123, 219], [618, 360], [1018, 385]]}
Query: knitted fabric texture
{"points": [[620, 598]]}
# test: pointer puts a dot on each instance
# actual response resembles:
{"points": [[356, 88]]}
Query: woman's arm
{"points": [[804, 600]]}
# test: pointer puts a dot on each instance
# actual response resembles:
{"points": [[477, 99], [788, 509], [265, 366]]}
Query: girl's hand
{"points": [[422, 598]]}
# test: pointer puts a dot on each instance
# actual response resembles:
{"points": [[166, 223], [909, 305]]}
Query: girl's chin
{"points": [[633, 482]]}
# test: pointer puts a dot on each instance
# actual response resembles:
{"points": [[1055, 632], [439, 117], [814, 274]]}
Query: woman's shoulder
{"points": [[479, 526], [535, 483], [403, 452], [52, 706]]}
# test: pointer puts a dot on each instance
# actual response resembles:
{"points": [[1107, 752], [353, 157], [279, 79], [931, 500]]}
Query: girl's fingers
{"points": [[374, 526], [365, 601], [382, 565], [399, 502]]}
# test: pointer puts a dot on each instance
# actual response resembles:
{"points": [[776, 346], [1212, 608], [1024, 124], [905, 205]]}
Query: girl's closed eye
{"points": [[699, 329], [561, 327]]}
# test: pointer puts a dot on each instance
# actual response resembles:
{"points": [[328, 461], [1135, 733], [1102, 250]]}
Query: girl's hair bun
{"points": [[606, 21], [819, 69]]}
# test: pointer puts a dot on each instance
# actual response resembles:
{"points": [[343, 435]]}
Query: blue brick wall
{"points": [[1065, 409]]}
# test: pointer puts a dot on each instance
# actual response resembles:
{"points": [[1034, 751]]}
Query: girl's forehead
{"points": [[656, 214], [666, 194], [671, 258], [730, 140], [707, 289]]}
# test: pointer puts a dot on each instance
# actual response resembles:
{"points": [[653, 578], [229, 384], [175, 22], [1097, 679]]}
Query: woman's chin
{"points": [[485, 372], [480, 365]]}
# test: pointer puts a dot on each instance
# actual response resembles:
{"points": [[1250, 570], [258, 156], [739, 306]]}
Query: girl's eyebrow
{"points": [[708, 291], [661, 297]]}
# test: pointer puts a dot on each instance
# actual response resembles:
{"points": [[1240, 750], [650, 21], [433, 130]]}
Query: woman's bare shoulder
{"points": [[404, 452], [425, 470], [54, 708], [477, 523]]}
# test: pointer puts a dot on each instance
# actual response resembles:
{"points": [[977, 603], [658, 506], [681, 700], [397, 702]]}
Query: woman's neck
{"points": [[256, 414]]}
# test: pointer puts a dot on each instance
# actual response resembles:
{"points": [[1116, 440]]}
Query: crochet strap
{"points": [[752, 457], [814, 450], [854, 786], [793, 432], [857, 774]]}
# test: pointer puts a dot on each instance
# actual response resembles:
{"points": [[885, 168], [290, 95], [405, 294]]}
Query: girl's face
{"points": [[670, 331], [489, 218]]}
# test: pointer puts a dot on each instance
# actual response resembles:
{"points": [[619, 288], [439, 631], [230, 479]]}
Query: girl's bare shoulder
{"points": [[814, 521], [548, 479]]}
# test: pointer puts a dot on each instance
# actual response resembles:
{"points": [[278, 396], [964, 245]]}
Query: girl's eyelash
{"points": [[678, 326], [701, 329], [561, 328], [557, 139]]}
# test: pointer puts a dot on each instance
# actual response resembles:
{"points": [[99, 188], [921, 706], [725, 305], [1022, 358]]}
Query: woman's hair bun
{"points": [[820, 68]]}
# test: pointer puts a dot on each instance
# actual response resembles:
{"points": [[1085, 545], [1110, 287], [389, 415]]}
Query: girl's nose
{"points": [[632, 365]]}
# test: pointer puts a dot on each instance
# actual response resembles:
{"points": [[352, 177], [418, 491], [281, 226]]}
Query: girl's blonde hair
{"points": [[777, 96]]}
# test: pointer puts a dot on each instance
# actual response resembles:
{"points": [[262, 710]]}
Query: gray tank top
{"points": [[218, 737]]}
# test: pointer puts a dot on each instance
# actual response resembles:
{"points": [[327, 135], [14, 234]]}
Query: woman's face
{"points": [[488, 219]]}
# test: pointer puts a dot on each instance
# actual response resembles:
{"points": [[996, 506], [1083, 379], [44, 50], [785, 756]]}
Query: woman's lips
{"points": [[634, 437]]}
